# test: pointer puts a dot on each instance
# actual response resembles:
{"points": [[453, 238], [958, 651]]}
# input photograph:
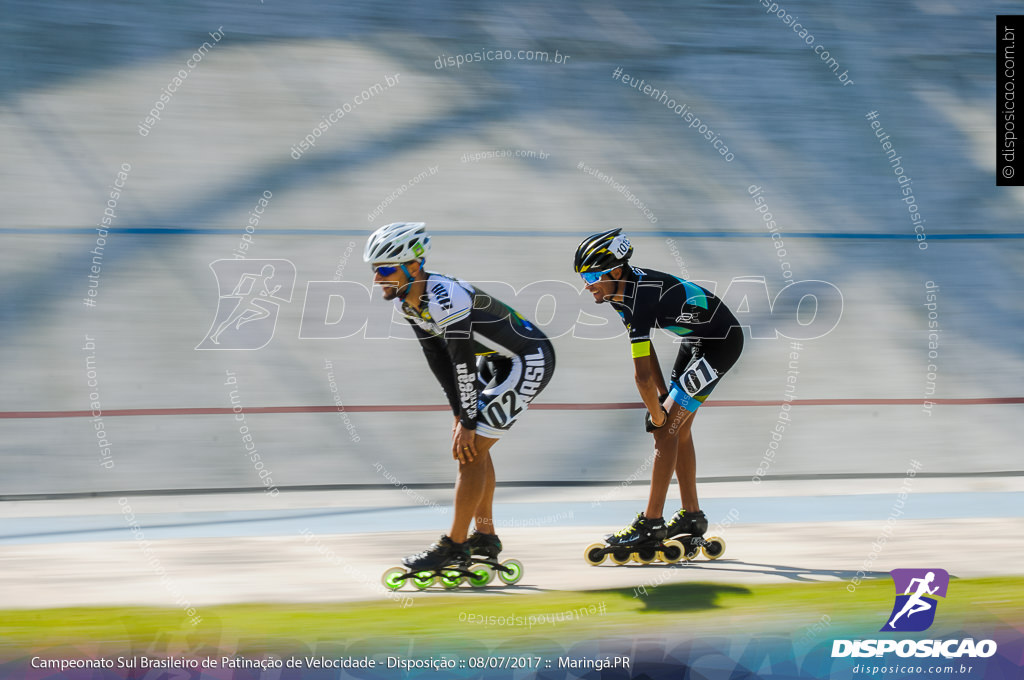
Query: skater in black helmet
{"points": [[491, 363], [710, 343]]}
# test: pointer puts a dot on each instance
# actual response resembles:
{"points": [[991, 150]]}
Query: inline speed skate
{"points": [[451, 564], [644, 540], [689, 528], [485, 549]]}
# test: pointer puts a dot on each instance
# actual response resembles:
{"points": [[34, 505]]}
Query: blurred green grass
{"points": [[566, 616]]}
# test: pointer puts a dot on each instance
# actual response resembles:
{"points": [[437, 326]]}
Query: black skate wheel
{"points": [[594, 554], [691, 548], [713, 548], [645, 555], [621, 557], [392, 578], [672, 552]]}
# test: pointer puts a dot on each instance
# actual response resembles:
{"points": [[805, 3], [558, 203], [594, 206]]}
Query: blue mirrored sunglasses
{"points": [[594, 277], [386, 269]]}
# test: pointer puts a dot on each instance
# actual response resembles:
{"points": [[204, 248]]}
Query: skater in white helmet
{"points": [[490, 361]]}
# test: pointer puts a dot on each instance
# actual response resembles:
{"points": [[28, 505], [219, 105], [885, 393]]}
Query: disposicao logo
{"points": [[914, 611], [251, 295]]}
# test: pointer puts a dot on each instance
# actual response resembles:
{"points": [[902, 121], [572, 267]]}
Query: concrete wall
{"points": [[78, 81]]}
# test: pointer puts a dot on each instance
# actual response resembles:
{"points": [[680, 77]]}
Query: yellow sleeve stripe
{"points": [[452, 318], [641, 349]]}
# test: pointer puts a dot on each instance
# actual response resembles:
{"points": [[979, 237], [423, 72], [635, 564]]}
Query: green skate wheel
{"points": [[645, 555], [423, 580], [450, 579], [392, 578], [512, 577], [672, 552], [593, 554], [713, 548], [482, 575], [621, 557]]}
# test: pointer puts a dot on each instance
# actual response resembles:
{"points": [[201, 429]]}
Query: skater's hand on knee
{"points": [[464, 444], [650, 424]]}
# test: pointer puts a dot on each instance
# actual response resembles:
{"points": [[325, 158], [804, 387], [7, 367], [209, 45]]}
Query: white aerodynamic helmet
{"points": [[396, 243]]}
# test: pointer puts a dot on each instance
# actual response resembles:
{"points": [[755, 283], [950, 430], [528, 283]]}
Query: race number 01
{"points": [[620, 246], [698, 376]]}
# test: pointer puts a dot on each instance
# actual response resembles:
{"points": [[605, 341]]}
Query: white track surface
{"points": [[284, 566]]}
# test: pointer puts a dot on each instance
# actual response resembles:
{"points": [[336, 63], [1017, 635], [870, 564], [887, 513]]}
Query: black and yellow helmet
{"points": [[602, 252]]}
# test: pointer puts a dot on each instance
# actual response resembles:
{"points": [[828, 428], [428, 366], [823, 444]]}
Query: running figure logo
{"points": [[914, 610], [251, 293]]}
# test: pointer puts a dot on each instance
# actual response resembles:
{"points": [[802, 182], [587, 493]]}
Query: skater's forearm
{"points": [[659, 378], [647, 386], [440, 365], [463, 367]]}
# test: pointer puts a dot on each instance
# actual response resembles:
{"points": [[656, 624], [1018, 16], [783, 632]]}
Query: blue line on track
{"points": [[505, 232], [611, 515]]}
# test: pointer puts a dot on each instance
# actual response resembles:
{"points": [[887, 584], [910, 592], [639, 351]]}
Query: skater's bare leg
{"points": [[484, 511], [686, 462], [665, 453], [471, 488]]}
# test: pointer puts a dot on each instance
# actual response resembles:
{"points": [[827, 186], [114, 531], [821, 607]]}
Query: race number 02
{"points": [[505, 408], [698, 376]]}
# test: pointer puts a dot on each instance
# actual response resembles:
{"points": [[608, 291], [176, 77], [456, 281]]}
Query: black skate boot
{"points": [[689, 528], [451, 564], [643, 532], [485, 549], [642, 541], [445, 552], [685, 523], [484, 545]]}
